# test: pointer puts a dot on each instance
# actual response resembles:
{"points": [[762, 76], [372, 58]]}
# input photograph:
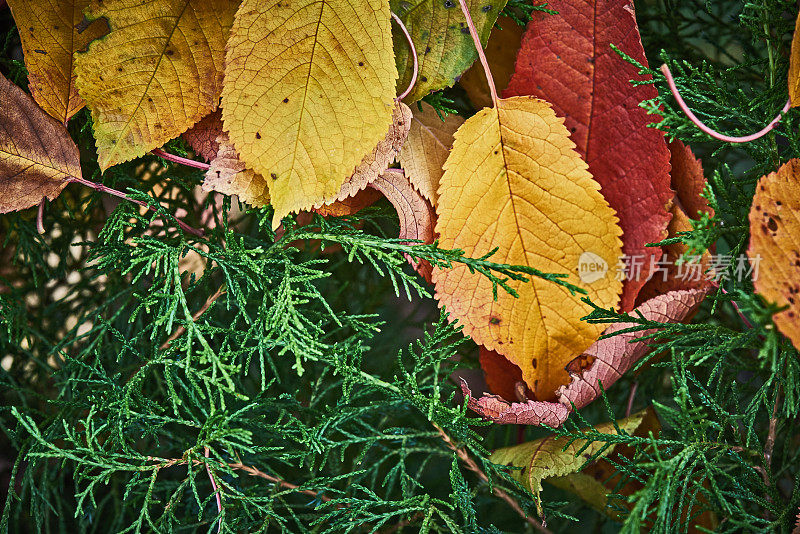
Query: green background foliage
{"points": [[331, 371]]}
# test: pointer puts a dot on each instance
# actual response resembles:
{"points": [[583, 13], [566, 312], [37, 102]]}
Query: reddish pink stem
{"points": [[178, 159], [105, 189], [413, 55], [40, 217], [216, 490], [714, 133], [744, 319], [479, 47]]}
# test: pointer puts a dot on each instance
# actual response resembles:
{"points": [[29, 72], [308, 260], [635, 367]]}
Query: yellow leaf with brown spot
{"points": [[514, 181], [156, 73], [37, 155], [428, 145], [775, 245], [47, 29], [309, 89]]}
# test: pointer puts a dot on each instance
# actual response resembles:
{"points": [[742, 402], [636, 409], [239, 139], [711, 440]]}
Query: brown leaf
{"points": [[774, 230], [501, 52], [605, 361], [687, 180], [417, 218], [384, 153], [37, 155], [350, 205], [202, 137], [567, 59], [426, 149], [228, 175]]}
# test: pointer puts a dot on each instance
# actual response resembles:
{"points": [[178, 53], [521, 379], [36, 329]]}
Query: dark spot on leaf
{"points": [[449, 3], [360, 63], [778, 203], [465, 31], [427, 49], [534, 362], [170, 52], [423, 78], [258, 135], [486, 8], [273, 176], [39, 51], [772, 225], [119, 69], [285, 100], [494, 320]]}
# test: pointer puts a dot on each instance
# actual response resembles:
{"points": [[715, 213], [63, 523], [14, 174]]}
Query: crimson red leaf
{"points": [[567, 60]]}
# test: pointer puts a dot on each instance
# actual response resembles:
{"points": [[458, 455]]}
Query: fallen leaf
{"points": [[442, 40], [606, 360], [384, 153], [774, 247], [49, 38], [309, 89], [794, 72], [514, 181], [156, 73], [426, 149], [501, 52], [557, 456], [417, 218], [567, 60], [350, 205], [37, 155], [229, 176], [688, 181], [202, 137]]}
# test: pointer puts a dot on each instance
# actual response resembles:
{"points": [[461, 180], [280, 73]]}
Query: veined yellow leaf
{"points": [[155, 74], [514, 180], [308, 93], [49, 37]]}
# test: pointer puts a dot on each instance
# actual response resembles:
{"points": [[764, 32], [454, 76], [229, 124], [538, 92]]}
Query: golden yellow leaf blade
{"points": [[156, 73], [775, 245], [794, 66], [514, 181], [426, 149], [37, 156], [309, 88], [49, 39]]}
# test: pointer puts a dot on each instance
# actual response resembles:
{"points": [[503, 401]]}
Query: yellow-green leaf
{"points": [[37, 156], [49, 37], [156, 73], [308, 93], [441, 37], [514, 181], [553, 457]]}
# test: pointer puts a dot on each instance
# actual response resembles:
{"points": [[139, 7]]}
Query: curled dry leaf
{"points": [[139, 101], [567, 60], [309, 90], [202, 137], [514, 181], [417, 218], [440, 35], [501, 52], [37, 155], [426, 149], [384, 153], [558, 457], [604, 362], [774, 245], [688, 181], [229, 176], [50, 36]]}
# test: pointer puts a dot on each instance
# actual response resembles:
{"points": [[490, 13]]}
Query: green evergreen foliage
{"points": [[307, 375]]}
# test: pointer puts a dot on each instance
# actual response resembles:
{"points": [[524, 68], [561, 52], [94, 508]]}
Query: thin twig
{"points": [[769, 444], [105, 189], [40, 216], [413, 55], [215, 488], [472, 466], [178, 159], [479, 47], [631, 396], [207, 304], [713, 133]]}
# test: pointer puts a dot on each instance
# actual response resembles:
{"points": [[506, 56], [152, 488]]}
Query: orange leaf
{"points": [[774, 227]]}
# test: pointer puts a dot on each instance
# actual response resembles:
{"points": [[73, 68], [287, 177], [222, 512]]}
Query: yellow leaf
{"points": [[774, 247], [155, 74], [794, 66], [427, 148], [309, 86], [514, 181], [49, 37], [228, 175], [37, 156], [552, 457]]}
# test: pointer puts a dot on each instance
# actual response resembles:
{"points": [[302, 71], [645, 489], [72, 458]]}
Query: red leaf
{"points": [[567, 60], [202, 137], [604, 362]]}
